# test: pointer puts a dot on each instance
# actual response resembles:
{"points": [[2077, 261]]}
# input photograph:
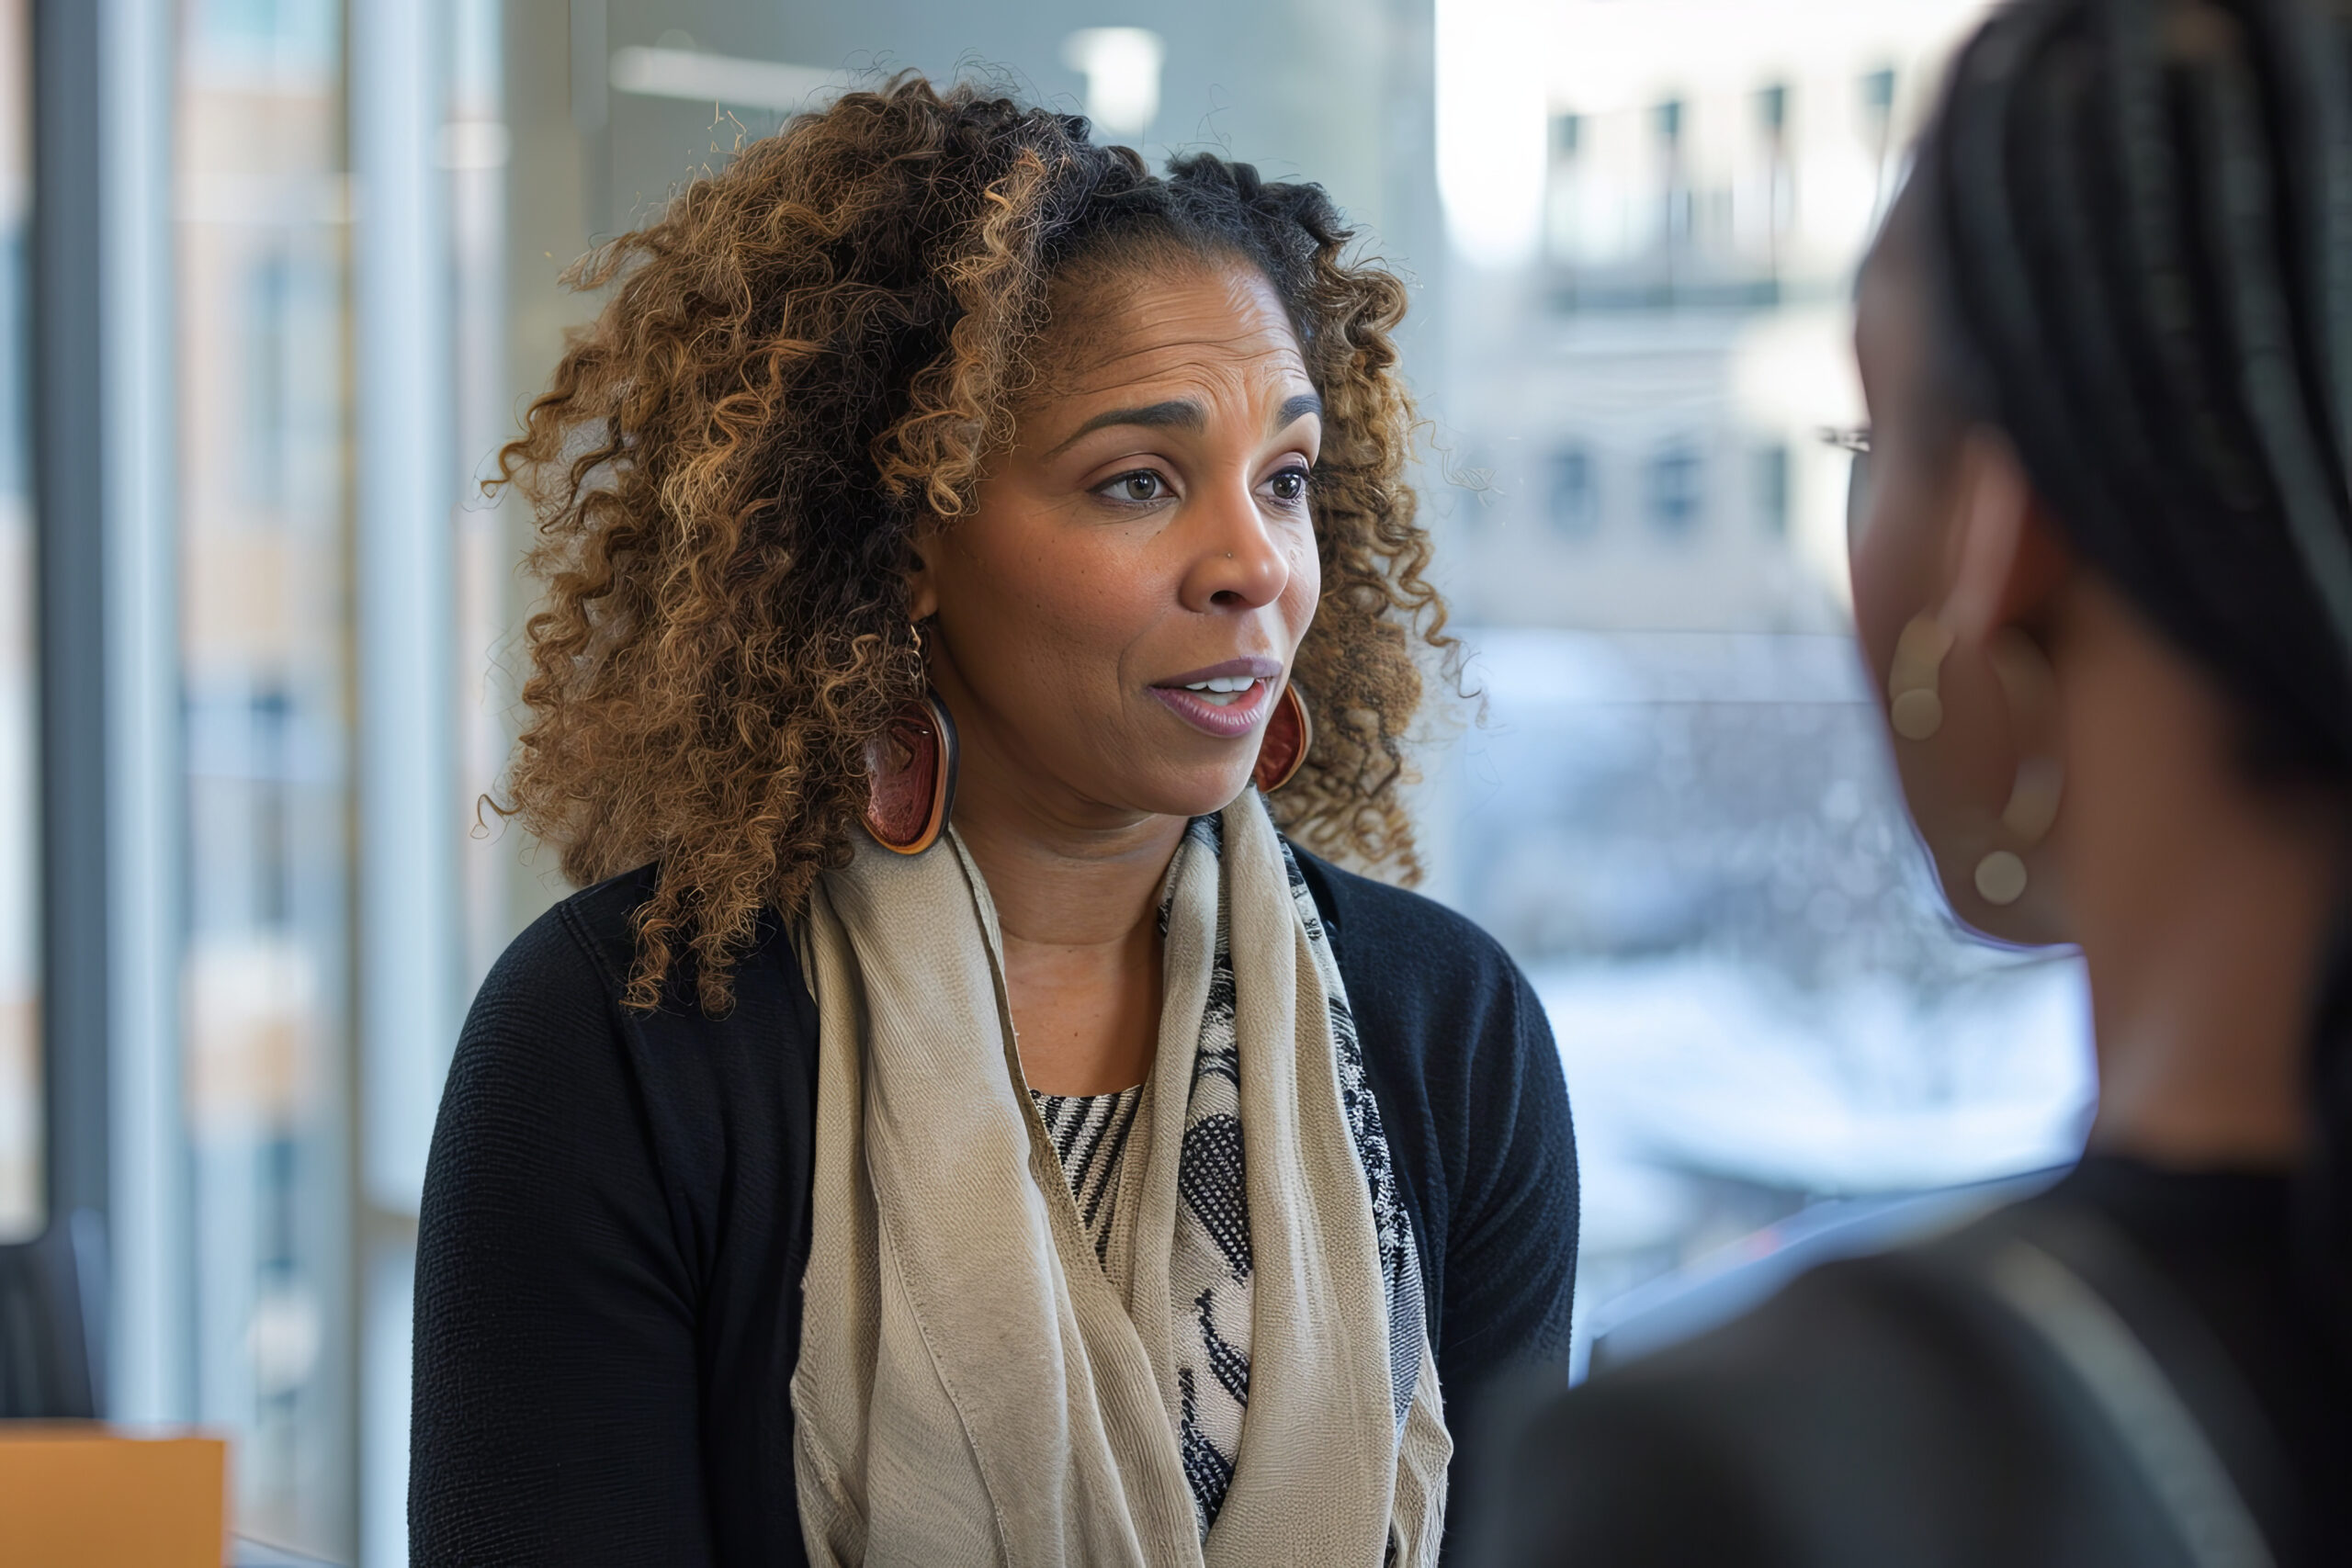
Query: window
{"points": [[1680, 817], [1878, 132], [1564, 224], [1878, 95], [1674, 186], [1772, 488], [1573, 498], [1674, 489]]}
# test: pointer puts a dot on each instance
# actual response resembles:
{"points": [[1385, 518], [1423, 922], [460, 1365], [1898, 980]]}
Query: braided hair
{"points": [[2135, 219]]}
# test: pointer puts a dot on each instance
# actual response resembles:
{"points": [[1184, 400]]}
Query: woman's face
{"points": [[1116, 617], [1934, 493]]}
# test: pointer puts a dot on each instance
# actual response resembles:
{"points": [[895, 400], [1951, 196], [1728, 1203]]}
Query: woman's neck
{"points": [[1072, 890], [2200, 901], [1077, 904], [2202, 1009]]}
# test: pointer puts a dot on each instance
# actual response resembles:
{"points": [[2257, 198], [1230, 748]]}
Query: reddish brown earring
{"points": [[1283, 751], [910, 778]]}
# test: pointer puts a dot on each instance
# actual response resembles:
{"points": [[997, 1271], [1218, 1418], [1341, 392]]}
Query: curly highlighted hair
{"points": [[808, 357]]}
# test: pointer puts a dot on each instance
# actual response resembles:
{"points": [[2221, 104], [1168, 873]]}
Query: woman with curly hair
{"points": [[962, 1097]]}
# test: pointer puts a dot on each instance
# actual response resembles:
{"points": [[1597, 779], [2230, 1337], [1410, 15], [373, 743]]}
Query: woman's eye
{"points": [[1290, 485], [1141, 485]]}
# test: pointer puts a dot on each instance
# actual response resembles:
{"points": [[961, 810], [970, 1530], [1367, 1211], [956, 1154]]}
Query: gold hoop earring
{"points": [[2031, 688], [1914, 706]]}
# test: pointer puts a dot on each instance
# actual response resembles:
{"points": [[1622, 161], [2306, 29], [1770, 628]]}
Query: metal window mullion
{"points": [[152, 1221], [65, 425], [408, 927], [406, 584], [102, 449], [68, 492]]}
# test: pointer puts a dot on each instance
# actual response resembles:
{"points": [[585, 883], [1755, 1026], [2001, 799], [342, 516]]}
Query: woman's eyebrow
{"points": [[1177, 414], [1181, 413]]}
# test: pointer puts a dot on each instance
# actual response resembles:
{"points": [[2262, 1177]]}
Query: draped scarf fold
{"points": [[976, 1385]]}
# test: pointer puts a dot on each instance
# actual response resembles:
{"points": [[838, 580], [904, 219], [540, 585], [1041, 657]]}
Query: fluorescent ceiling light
{"points": [[717, 78]]}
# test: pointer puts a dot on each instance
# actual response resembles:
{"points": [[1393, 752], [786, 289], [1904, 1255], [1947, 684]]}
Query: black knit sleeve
{"points": [[1511, 1251], [1512, 1240], [555, 1417], [1463, 1064]]}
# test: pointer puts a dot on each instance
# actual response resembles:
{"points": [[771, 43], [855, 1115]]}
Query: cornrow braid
{"points": [[2138, 227]]}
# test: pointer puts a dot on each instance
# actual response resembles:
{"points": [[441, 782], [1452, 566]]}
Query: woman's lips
{"points": [[1230, 722]]}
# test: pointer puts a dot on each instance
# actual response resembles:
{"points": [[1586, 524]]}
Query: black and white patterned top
{"points": [[1089, 1136]]}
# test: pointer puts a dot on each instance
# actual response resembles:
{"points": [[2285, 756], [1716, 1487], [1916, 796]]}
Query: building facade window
{"points": [[1674, 487], [1877, 95], [1771, 192], [1772, 495], [1572, 491], [1675, 232], [1563, 222]]}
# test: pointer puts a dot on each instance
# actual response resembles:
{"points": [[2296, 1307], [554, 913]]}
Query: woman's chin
{"points": [[1187, 792]]}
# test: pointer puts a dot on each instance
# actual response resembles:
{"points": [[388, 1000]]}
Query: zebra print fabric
{"points": [[1089, 1136]]}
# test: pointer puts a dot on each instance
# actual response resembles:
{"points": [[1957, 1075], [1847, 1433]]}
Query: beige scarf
{"points": [[974, 1387]]}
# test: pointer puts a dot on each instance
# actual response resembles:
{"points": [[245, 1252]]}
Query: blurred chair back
{"points": [[53, 1301]]}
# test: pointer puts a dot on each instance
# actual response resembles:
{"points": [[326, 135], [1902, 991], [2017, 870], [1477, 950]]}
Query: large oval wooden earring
{"points": [[1282, 751], [910, 778]]}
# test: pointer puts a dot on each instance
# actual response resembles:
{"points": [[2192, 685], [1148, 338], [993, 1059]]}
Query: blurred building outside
{"points": [[1630, 226], [1679, 813]]}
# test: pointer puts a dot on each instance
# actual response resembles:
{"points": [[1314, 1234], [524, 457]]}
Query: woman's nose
{"points": [[1237, 564]]}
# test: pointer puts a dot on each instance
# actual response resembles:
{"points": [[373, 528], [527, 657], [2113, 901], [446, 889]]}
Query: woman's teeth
{"points": [[1221, 692]]}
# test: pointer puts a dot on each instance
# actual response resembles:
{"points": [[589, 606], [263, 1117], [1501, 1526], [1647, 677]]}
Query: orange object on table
{"points": [[89, 1495]]}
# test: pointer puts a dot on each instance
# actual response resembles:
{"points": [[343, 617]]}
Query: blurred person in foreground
{"points": [[958, 1100], [2102, 566]]}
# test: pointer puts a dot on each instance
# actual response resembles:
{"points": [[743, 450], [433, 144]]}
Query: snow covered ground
{"points": [[1691, 1064]]}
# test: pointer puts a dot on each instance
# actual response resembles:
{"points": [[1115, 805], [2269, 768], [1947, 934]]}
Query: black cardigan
{"points": [[615, 1221]]}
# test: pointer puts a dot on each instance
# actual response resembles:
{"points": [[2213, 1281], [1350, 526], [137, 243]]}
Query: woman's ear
{"points": [[923, 585], [2004, 557]]}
